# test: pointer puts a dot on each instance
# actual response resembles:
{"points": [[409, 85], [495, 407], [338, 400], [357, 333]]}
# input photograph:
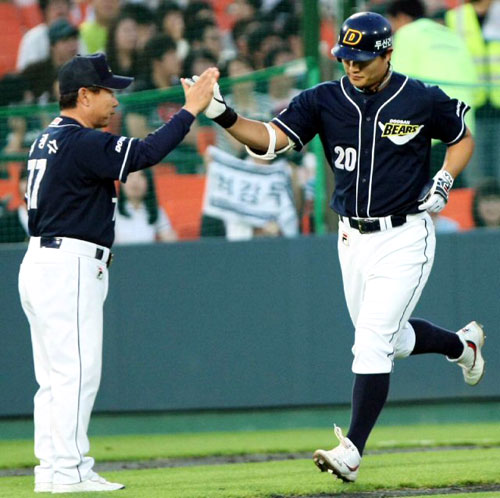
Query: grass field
{"points": [[412, 459]]}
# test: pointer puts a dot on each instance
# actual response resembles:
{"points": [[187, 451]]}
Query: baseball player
{"points": [[63, 279], [376, 128]]}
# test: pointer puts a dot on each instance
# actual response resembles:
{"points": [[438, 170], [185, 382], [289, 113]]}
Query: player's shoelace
{"points": [[340, 436]]}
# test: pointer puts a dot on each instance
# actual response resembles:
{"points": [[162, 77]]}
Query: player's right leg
{"points": [[463, 347], [471, 361]]}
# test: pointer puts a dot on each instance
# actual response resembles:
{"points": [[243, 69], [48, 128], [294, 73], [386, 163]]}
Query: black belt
{"points": [[370, 225], [55, 243]]}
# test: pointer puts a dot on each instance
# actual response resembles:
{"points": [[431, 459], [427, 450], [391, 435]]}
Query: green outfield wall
{"points": [[212, 324]]}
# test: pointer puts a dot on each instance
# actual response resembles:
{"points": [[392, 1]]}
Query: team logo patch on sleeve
{"points": [[119, 144], [399, 131]]}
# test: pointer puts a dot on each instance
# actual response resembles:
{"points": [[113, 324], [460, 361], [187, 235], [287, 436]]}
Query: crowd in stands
{"points": [[136, 36], [159, 41]]}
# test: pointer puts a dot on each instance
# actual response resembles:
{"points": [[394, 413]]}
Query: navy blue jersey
{"points": [[378, 145], [72, 170]]}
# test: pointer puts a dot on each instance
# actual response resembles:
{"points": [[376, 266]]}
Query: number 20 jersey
{"points": [[378, 145]]}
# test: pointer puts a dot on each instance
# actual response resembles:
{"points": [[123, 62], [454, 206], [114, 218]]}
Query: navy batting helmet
{"points": [[363, 36]]}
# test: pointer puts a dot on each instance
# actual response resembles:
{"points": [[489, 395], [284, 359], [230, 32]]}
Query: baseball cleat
{"points": [[342, 461], [471, 361], [95, 483]]}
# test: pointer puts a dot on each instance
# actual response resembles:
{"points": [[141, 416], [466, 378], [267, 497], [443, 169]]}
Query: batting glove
{"points": [[217, 109], [434, 195]]}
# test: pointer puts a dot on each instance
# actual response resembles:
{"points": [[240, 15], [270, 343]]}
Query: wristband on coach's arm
{"points": [[227, 118]]}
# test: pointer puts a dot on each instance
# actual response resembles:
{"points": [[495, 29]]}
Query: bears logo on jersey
{"points": [[399, 131]]}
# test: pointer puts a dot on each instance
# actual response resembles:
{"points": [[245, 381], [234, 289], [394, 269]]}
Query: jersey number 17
{"points": [[36, 169]]}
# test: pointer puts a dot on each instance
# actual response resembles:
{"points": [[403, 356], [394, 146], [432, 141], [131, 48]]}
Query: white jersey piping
{"points": [[289, 129], [359, 136], [462, 116], [375, 121], [125, 159]]}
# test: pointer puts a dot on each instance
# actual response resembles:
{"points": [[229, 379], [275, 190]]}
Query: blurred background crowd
{"points": [[260, 48]]}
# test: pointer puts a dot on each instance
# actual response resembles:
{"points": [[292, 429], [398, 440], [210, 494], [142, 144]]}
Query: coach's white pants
{"points": [[62, 294], [384, 274]]}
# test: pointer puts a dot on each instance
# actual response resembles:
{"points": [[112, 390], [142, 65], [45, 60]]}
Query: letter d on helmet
{"points": [[363, 37]]}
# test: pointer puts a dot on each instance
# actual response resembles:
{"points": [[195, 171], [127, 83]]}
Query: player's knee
{"points": [[405, 342], [372, 352]]}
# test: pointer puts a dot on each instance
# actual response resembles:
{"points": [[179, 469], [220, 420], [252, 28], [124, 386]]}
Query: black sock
{"points": [[368, 398], [432, 339]]}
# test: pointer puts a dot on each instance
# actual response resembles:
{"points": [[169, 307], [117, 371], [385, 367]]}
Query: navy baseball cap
{"points": [[89, 70]]}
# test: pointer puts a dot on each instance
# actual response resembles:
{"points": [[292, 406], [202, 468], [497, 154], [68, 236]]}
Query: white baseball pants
{"points": [[384, 274], [62, 292]]}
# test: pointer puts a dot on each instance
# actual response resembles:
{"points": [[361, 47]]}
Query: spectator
{"points": [[146, 22], [163, 64], [486, 204], [171, 22], [140, 219], [13, 91], [477, 22], [163, 67], [203, 29], [94, 32], [41, 77], [205, 35], [293, 36], [261, 42], [279, 11], [121, 48], [245, 9], [38, 84], [281, 88], [197, 11], [35, 46], [256, 105], [197, 61], [163, 72], [429, 51], [240, 33], [246, 101], [14, 224]]}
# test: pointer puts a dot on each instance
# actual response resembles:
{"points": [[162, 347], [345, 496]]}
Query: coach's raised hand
{"points": [[199, 93]]}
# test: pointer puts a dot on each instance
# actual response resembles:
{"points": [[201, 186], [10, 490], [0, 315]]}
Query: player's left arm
{"points": [[459, 154], [435, 194], [447, 123]]}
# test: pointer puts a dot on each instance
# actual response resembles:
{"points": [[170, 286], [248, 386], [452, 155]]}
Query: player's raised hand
{"points": [[217, 105], [217, 109], [199, 93], [434, 196]]}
